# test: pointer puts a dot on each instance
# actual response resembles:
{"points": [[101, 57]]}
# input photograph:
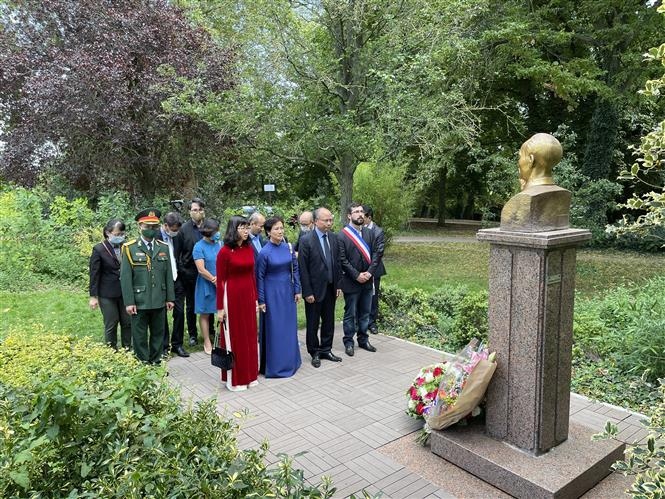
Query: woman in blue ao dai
{"points": [[205, 294], [278, 284]]}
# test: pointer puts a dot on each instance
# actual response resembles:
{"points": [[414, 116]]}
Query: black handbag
{"points": [[221, 357]]}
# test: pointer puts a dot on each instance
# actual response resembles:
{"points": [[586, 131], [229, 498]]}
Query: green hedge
{"points": [[79, 420], [619, 345]]}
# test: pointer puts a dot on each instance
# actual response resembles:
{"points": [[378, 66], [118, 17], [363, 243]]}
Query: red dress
{"points": [[236, 294]]}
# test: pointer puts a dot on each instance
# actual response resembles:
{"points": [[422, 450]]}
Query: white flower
{"points": [[422, 391], [429, 377]]}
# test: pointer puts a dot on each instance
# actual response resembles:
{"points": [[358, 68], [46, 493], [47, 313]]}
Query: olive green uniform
{"points": [[146, 280]]}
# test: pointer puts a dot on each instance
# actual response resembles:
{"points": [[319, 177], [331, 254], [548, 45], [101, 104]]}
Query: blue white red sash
{"points": [[358, 242]]}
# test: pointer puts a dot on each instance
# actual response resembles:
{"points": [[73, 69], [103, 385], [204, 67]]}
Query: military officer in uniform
{"points": [[146, 280]]}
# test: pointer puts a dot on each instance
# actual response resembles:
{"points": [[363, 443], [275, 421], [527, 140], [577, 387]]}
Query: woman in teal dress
{"points": [[205, 295], [278, 284]]}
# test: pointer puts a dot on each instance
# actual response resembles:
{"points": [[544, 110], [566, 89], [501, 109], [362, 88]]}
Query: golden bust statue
{"points": [[541, 206]]}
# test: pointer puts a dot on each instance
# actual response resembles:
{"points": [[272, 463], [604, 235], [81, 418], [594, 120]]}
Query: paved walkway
{"points": [[342, 415]]}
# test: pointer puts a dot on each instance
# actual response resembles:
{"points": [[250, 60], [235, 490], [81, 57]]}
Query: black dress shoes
{"points": [[180, 351], [373, 330], [330, 356], [316, 361], [192, 341], [368, 347], [349, 350]]}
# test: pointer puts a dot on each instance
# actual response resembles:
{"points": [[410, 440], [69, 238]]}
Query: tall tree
{"points": [[81, 92]]}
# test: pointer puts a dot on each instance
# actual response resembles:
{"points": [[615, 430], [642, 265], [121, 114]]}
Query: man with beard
{"points": [[359, 260]]}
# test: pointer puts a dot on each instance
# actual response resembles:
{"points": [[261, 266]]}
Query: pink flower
{"points": [[414, 393], [420, 381]]}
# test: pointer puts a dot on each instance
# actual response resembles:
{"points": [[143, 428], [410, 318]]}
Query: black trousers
{"points": [[374, 312], [178, 318], [114, 314], [321, 313], [188, 283]]}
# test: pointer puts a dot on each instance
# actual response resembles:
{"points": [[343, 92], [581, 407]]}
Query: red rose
{"points": [[437, 372], [414, 393], [419, 408]]}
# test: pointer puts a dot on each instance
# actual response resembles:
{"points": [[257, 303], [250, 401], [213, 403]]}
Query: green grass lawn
{"points": [[410, 265], [428, 266]]}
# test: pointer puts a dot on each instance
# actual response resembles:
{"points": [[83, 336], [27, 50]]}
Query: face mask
{"points": [[215, 236], [171, 234], [116, 240], [197, 216], [305, 228], [148, 233]]}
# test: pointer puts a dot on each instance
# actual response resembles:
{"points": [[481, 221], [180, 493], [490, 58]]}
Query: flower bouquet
{"points": [[422, 392], [462, 385]]}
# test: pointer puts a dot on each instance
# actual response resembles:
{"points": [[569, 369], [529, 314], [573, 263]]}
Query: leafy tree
{"points": [[648, 169], [81, 94], [330, 84]]}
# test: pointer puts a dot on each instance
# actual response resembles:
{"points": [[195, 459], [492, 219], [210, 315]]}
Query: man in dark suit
{"points": [[256, 222], [318, 261], [380, 243], [359, 260], [306, 222], [183, 245]]}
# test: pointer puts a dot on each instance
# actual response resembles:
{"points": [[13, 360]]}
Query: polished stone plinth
{"points": [[566, 471], [531, 295]]}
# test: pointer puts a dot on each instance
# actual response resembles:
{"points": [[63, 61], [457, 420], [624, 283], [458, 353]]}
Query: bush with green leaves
{"points": [[80, 420], [447, 319]]}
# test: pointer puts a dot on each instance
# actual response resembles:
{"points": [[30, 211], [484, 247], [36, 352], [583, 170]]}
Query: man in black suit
{"points": [[318, 261], [359, 260], [380, 243], [256, 222], [183, 245]]}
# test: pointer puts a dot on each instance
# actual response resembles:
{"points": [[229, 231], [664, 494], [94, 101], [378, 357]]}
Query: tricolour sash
{"points": [[358, 242]]}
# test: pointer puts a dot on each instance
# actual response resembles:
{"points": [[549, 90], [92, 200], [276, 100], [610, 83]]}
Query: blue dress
{"points": [[205, 295], [277, 282]]}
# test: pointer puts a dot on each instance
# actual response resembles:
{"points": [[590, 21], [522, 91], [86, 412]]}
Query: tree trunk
{"points": [[442, 197], [347, 168]]}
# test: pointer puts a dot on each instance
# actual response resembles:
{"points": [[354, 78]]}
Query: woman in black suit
{"points": [[105, 290]]}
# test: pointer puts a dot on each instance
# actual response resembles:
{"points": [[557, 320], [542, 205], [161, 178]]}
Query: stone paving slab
{"points": [[345, 417]]}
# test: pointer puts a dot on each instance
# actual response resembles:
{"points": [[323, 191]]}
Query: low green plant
{"points": [[645, 461], [80, 420], [469, 320]]}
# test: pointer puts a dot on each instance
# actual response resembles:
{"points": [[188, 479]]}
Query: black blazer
{"points": [[312, 265], [380, 242], [353, 263], [104, 272], [183, 245]]}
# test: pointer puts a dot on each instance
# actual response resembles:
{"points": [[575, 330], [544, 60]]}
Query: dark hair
{"points": [[270, 223], [352, 206], [368, 210], [198, 201], [111, 224], [231, 235], [209, 227], [173, 219]]}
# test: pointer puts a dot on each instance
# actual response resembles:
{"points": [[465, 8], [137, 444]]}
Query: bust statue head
{"points": [[538, 155]]}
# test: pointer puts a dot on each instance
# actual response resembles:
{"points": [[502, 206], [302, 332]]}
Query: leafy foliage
{"points": [[79, 420], [82, 88]]}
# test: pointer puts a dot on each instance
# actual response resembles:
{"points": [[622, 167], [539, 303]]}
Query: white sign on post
{"points": [[269, 187]]}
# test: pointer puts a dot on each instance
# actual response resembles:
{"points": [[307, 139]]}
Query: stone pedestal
{"points": [[531, 294], [527, 446]]}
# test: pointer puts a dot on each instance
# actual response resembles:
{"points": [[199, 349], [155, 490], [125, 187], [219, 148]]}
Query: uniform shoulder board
{"points": [[130, 242]]}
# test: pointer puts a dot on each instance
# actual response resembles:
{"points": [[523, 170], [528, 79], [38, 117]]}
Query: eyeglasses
{"points": [[357, 212]]}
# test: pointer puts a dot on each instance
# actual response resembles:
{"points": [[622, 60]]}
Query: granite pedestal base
{"points": [[566, 471]]}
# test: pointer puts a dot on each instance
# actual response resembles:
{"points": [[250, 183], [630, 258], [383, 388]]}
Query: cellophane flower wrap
{"points": [[462, 386], [422, 392], [444, 393]]}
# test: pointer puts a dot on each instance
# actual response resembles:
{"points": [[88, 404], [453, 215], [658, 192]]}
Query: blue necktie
{"points": [[327, 256]]}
